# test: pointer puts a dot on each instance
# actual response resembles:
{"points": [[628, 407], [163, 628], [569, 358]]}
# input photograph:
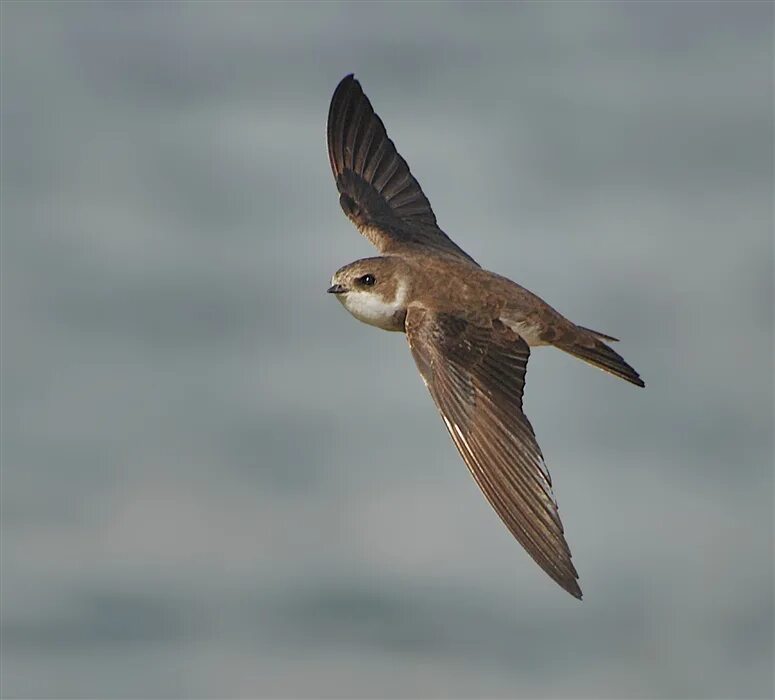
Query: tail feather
{"points": [[603, 357], [599, 335]]}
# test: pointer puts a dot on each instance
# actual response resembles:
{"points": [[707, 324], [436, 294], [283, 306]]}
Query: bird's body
{"points": [[470, 330], [448, 284]]}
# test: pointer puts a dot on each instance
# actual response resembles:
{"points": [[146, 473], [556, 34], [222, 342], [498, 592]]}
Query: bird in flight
{"points": [[469, 330]]}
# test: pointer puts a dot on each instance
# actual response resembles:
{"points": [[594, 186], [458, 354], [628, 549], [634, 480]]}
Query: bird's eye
{"points": [[367, 280]]}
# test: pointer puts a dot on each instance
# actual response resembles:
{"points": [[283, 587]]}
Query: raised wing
{"points": [[377, 191], [476, 376]]}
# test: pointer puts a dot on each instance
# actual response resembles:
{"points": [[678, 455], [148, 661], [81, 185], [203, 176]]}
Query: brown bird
{"points": [[470, 330]]}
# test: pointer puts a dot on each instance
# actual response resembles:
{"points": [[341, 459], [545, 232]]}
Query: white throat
{"points": [[371, 308]]}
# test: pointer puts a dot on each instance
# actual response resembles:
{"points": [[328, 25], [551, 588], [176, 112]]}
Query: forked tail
{"points": [[597, 353]]}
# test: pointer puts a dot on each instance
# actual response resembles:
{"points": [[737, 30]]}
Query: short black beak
{"points": [[336, 289]]}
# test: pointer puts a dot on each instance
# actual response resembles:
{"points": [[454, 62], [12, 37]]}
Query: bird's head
{"points": [[374, 290]]}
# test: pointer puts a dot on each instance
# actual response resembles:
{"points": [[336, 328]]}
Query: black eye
{"points": [[367, 280]]}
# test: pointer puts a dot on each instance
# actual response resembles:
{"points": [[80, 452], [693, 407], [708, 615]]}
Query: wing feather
{"points": [[476, 376], [377, 190]]}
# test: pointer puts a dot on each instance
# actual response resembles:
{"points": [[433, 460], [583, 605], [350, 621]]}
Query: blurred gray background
{"points": [[215, 483]]}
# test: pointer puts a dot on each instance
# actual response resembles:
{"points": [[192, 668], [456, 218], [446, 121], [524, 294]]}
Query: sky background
{"points": [[216, 483]]}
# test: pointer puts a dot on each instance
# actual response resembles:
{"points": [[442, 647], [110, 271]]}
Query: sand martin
{"points": [[469, 330]]}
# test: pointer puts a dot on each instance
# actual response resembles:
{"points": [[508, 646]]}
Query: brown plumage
{"points": [[469, 330], [376, 189], [476, 376]]}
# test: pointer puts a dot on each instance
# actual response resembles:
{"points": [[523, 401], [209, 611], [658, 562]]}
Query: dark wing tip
{"points": [[348, 95], [573, 588], [563, 573], [345, 85]]}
